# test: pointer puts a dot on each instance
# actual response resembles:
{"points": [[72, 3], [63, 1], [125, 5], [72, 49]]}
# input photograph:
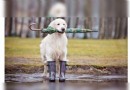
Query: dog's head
{"points": [[59, 24]]}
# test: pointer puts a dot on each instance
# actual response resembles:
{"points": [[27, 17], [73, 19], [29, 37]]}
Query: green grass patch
{"points": [[80, 51]]}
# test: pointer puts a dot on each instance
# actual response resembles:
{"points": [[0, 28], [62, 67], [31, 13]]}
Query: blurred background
{"points": [[109, 17]]}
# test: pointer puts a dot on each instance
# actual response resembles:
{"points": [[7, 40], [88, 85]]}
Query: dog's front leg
{"points": [[63, 62], [64, 56], [46, 59], [51, 68], [45, 70]]}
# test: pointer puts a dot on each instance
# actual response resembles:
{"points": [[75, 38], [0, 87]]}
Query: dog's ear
{"points": [[51, 27], [52, 24]]}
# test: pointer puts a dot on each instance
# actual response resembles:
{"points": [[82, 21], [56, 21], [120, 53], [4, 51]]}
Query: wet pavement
{"points": [[73, 82]]}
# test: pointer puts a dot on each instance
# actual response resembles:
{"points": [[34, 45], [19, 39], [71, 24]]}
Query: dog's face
{"points": [[59, 24]]}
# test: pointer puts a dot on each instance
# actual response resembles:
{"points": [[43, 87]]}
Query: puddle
{"points": [[73, 82], [37, 77]]}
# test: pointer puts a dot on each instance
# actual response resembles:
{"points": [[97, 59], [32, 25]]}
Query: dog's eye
{"points": [[58, 24], [63, 24]]}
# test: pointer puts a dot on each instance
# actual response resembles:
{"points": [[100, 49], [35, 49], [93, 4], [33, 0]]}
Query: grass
{"points": [[80, 51]]}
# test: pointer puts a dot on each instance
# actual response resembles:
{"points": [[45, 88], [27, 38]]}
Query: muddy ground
{"points": [[22, 65], [22, 74]]}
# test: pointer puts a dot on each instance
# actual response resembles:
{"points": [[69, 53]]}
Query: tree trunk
{"points": [[101, 28], [8, 26], [85, 26]]}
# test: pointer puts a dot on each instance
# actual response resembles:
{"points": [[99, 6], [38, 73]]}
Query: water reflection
{"points": [[73, 82], [68, 85]]}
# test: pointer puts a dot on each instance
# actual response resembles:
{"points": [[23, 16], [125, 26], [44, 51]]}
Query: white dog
{"points": [[54, 46]]}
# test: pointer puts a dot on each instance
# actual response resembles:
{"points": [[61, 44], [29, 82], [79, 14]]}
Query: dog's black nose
{"points": [[63, 29]]}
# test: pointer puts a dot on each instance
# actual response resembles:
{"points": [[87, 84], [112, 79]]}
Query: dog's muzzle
{"points": [[62, 30]]}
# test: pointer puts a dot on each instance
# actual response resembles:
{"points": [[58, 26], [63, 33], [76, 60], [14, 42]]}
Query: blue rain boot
{"points": [[52, 70], [62, 71]]}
